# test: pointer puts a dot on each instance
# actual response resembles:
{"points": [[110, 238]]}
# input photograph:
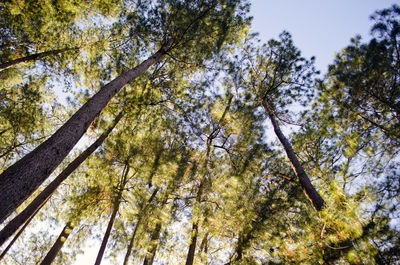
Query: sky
{"points": [[318, 27]]}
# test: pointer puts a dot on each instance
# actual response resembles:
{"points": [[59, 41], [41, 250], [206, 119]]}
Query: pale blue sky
{"points": [[318, 27]]}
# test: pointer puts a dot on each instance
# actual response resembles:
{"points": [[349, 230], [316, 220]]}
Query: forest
{"points": [[167, 132]]}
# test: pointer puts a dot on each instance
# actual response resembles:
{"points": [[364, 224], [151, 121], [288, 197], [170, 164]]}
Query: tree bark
{"points": [[192, 247], [305, 182], [130, 246], [149, 259], [116, 203], [32, 57], [51, 255], [21, 179], [45, 195], [19, 233]]}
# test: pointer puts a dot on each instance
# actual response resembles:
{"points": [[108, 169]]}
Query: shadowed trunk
{"points": [[41, 199], [51, 255], [117, 202], [149, 259], [29, 219], [130, 246], [21, 179], [192, 247], [305, 182], [33, 57]]}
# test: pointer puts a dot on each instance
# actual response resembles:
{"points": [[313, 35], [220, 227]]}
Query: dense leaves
{"points": [[189, 171]]}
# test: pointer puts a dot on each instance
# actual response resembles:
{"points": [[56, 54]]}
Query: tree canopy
{"points": [[165, 132]]}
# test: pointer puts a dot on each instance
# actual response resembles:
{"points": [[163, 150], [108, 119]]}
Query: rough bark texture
{"points": [[305, 182], [130, 246], [192, 247], [51, 255], [20, 180], [41, 199], [149, 259], [32, 57]]}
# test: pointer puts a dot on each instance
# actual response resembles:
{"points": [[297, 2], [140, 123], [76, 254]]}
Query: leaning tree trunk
{"points": [[51, 255], [116, 203], [149, 259], [305, 182], [41, 199], [29, 219], [192, 247], [32, 57], [21, 179], [130, 246]]}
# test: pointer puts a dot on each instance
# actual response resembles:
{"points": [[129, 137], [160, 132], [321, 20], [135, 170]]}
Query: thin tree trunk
{"points": [[130, 246], [19, 233], [41, 199], [305, 182], [32, 57], [51, 255], [192, 247], [117, 202], [149, 259], [21, 179]]}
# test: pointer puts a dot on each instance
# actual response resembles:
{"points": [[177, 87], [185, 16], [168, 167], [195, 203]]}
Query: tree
{"points": [[29, 172], [276, 75]]}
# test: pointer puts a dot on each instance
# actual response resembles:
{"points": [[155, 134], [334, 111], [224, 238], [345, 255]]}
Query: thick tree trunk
{"points": [[20, 180], [149, 259], [32, 57], [305, 182], [192, 247], [51, 255], [41, 199], [130, 246]]}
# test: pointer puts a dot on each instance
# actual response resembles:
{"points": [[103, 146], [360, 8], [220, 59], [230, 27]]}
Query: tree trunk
{"points": [[41, 199], [32, 57], [305, 182], [149, 259], [116, 203], [19, 233], [21, 179], [130, 246], [192, 247], [51, 255]]}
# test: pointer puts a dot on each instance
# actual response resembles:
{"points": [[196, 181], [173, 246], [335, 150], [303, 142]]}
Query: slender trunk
{"points": [[192, 247], [149, 259], [41, 199], [51, 255], [107, 234], [305, 182], [19, 233], [32, 57], [117, 202], [21, 179], [130, 246]]}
